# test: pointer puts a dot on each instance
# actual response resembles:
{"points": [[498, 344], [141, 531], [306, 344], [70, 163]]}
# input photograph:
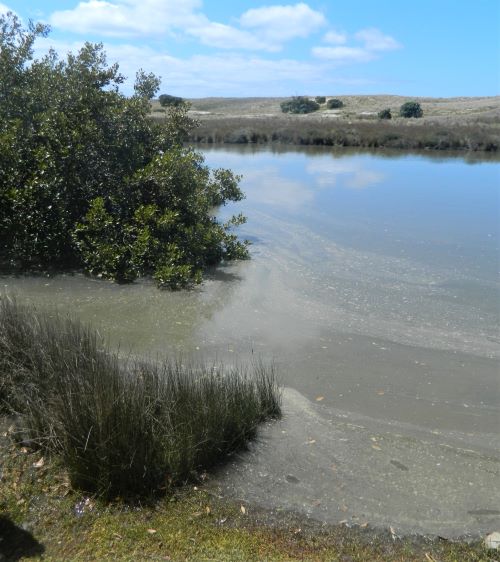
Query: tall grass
{"points": [[123, 430], [300, 130]]}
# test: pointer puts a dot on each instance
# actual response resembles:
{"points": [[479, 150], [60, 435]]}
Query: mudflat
{"points": [[335, 466]]}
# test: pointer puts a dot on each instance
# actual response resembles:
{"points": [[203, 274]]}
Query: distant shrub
{"points": [[334, 103], [167, 100], [299, 104], [320, 99], [385, 114], [411, 109]]}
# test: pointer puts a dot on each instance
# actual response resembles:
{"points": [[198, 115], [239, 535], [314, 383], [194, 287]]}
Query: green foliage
{"points": [[299, 104], [167, 100], [385, 114], [320, 99], [334, 103], [123, 429], [411, 109], [88, 180]]}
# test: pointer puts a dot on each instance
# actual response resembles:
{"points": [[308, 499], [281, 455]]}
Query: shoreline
{"points": [[42, 517], [340, 467]]}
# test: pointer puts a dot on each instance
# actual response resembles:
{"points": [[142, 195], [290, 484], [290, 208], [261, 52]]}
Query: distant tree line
{"points": [[303, 104]]}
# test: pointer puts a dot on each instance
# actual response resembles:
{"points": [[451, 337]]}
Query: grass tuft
{"points": [[123, 430]]}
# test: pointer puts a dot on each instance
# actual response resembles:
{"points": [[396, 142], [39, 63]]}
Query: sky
{"points": [[238, 48]]}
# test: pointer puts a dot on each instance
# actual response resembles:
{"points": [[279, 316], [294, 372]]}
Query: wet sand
{"points": [[335, 466]]}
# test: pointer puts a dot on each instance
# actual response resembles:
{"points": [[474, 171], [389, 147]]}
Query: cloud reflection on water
{"points": [[273, 185], [332, 172], [269, 187]]}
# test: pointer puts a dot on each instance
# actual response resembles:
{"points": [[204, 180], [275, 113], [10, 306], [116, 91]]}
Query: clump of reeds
{"points": [[122, 429], [370, 133]]}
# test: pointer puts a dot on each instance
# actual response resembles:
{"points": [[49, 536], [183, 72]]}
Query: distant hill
{"points": [[464, 109]]}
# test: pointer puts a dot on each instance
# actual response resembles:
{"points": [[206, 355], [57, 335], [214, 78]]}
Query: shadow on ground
{"points": [[16, 543]]}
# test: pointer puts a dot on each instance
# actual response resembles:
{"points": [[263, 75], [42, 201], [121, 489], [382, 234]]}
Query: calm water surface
{"points": [[373, 283]]}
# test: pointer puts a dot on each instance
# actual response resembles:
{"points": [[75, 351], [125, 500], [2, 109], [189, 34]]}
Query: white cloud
{"points": [[225, 36], [236, 75], [129, 18], [343, 54], [124, 18], [263, 28], [281, 23], [335, 37], [219, 74], [144, 23], [4, 9], [375, 40]]}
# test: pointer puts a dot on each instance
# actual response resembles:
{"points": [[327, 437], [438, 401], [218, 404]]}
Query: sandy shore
{"points": [[335, 466]]}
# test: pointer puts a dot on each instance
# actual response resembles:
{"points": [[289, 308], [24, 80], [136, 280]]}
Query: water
{"points": [[373, 285]]}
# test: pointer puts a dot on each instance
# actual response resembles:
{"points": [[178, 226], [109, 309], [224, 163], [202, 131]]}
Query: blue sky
{"points": [[265, 48]]}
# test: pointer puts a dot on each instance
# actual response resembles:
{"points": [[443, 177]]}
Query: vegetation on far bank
{"points": [[299, 105], [127, 429], [334, 103], [89, 181], [380, 133], [462, 124], [411, 109]]}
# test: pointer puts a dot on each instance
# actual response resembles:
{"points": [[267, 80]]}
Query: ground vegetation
{"points": [[122, 428]]}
